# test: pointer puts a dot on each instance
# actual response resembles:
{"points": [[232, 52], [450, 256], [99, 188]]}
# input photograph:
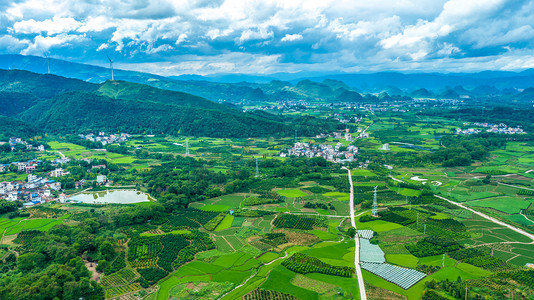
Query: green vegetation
{"points": [[288, 234]]}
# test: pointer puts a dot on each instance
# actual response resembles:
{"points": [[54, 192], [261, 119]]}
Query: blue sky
{"points": [[269, 36]]}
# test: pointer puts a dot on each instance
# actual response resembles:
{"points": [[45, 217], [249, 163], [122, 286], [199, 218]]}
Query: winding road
{"points": [[361, 285]]}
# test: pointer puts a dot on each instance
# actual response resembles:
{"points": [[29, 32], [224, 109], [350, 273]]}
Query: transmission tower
{"points": [[257, 170], [186, 147], [374, 211]]}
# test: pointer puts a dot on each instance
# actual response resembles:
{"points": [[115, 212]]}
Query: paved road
{"points": [[520, 231], [515, 186], [361, 285]]}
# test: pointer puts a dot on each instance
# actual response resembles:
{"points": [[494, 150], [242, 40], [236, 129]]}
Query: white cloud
{"points": [[291, 38], [50, 26], [42, 44], [228, 35]]}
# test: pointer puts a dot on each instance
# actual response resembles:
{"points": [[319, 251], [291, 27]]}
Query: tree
{"points": [[351, 232], [107, 251]]}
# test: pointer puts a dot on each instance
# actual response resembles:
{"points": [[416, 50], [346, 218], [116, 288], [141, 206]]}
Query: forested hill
{"points": [[60, 105], [40, 85], [74, 112], [135, 91]]}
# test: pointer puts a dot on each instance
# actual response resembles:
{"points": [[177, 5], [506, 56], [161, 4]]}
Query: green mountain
{"points": [[40, 85], [11, 127], [12, 103], [75, 112], [60, 105]]}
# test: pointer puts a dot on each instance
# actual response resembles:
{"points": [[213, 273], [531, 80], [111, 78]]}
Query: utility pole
{"points": [[186, 147], [257, 170], [443, 262], [465, 292], [424, 229]]}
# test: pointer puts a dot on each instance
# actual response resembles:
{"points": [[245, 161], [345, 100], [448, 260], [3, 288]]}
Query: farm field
{"points": [[218, 231]]}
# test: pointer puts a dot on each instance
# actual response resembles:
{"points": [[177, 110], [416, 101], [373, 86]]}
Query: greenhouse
{"points": [[371, 253], [365, 234], [402, 277]]}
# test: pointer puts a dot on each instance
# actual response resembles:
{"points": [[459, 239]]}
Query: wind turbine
{"points": [[48, 62], [111, 67]]}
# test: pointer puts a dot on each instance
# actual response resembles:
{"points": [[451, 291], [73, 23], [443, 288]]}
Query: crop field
{"points": [[362, 172], [508, 205], [233, 268], [39, 224], [378, 226], [291, 193], [403, 260], [215, 207], [338, 195]]}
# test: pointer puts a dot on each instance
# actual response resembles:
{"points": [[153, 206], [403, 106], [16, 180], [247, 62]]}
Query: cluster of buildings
{"points": [[106, 139], [337, 153], [347, 136], [494, 128], [14, 141], [35, 190]]}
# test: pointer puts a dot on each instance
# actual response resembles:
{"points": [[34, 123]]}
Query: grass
{"points": [[349, 285], [324, 235], [291, 193], [215, 207], [280, 280], [225, 223], [403, 260], [235, 277], [268, 257], [409, 192], [39, 224], [234, 241], [378, 226], [508, 205], [222, 245], [473, 270], [362, 172], [338, 195]]}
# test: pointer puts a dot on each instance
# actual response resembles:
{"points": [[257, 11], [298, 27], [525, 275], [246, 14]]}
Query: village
{"points": [[36, 189], [105, 139], [45, 187], [337, 153], [492, 128]]}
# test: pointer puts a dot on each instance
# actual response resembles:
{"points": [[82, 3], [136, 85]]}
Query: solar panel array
{"points": [[402, 277], [371, 253], [366, 234]]}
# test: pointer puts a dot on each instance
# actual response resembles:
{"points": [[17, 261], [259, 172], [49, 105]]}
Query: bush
{"points": [[212, 224], [432, 246], [301, 263]]}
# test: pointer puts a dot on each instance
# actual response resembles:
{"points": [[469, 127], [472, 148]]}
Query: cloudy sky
{"points": [[268, 36]]}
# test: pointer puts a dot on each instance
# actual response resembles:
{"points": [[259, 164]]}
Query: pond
{"points": [[115, 196]]}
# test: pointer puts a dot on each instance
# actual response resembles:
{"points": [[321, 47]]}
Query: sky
{"points": [[264, 37]]}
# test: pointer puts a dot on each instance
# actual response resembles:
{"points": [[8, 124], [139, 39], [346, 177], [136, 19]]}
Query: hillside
{"points": [[40, 85], [10, 127], [135, 91], [74, 112]]}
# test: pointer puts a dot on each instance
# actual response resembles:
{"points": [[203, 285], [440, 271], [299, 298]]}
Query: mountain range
{"points": [[236, 88]]}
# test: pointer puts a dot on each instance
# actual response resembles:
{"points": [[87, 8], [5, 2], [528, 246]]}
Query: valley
{"points": [[264, 216]]}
